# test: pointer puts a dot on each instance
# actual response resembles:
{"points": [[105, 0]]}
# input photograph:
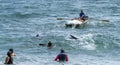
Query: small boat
{"points": [[75, 23]]}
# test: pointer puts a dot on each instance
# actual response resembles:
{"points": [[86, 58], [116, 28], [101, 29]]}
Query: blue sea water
{"points": [[98, 42]]}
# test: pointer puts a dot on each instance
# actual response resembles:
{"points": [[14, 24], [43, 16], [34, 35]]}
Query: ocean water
{"points": [[98, 42]]}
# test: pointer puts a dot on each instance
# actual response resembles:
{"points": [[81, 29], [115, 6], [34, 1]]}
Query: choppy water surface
{"points": [[98, 42]]}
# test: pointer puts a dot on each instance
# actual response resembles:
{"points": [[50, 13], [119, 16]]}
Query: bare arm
{"points": [[13, 54]]}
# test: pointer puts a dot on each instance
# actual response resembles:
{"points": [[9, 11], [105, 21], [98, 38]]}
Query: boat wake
{"points": [[83, 42]]}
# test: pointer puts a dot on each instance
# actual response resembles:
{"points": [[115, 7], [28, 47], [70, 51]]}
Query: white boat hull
{"points": [[75, 23]]}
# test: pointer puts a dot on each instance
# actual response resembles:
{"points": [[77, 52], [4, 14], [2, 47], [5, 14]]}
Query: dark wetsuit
{"points": [[83, 16], [62, 57], [10, 60]]}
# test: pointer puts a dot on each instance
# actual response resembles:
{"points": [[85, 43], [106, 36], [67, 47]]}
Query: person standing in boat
{"points": [[62, 57], [82, 15]]}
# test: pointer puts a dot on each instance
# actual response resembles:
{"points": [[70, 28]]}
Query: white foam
{"points": [[84, 41], [87, 42], [74, 22]]}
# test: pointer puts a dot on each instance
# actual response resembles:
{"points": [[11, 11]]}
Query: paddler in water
{"points": [[62, 57], [37, 35], [49, 45]]}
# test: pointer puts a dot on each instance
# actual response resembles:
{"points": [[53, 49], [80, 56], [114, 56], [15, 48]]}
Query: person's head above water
{"points": [[62, 51], [11, 50], [49, 44], [37, 35], [81, 11]]}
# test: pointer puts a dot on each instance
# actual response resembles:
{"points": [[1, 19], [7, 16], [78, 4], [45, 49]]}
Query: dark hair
{"points": [[9, 54], [81, 10], [49, 44], [62, 51], [11, 50], [37, 35]]}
